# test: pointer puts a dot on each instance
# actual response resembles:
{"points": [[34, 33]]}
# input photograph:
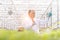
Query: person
{"points": [[30, 22]]}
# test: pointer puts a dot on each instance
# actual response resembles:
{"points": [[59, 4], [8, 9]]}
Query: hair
{"points": [[30, 11]]}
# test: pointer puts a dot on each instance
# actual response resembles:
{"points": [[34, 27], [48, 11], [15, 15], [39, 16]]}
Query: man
{"points": [[30, 22]]}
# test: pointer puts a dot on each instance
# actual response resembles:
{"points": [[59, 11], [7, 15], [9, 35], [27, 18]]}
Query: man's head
{"points": [[31, 13]]}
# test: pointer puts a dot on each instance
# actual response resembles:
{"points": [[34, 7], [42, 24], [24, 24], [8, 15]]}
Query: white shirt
{"points": [[27, 24], [39, 23]]}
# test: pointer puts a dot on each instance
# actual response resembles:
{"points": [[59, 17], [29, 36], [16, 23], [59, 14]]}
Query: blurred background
{"points": [[12, 12]]}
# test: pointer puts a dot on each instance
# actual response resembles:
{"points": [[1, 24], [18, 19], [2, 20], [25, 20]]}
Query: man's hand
{"points": [[21, 29]]}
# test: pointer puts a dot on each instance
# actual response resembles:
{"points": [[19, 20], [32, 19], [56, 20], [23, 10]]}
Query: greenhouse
{"points": [[29, 19]]}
